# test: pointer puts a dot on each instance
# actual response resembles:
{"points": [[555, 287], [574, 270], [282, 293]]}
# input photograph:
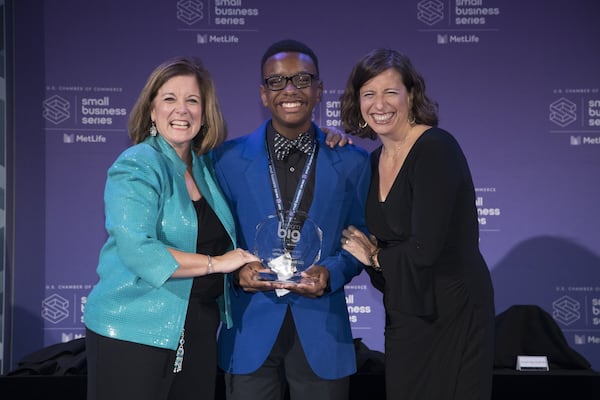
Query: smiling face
{"points": [[385, 103], [177, 112], [291, 108]]}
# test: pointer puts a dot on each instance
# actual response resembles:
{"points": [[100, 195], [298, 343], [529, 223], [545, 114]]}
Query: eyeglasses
{"points": [[300, 81]]}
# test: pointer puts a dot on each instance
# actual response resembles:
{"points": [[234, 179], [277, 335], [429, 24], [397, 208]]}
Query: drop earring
{"points": [[153, 130], [362, 125]]}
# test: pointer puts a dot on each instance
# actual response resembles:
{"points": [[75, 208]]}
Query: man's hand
{"points": [[315, 280], [249, 278]]}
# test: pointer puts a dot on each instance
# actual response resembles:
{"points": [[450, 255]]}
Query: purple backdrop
{"points": [[517, 84]]}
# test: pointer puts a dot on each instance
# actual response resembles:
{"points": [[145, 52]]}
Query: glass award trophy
{"points": [[288, 246]]}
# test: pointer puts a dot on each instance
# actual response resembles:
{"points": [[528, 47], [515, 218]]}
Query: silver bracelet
{"points": [[210, 268]]}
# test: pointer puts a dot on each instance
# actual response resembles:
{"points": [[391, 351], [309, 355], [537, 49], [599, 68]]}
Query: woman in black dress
{"points": [[424, 250]]}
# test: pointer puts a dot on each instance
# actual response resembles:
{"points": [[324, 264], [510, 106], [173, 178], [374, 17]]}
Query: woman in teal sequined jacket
{"points": [[153, 315]]}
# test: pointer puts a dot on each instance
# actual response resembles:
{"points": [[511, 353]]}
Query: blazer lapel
{"points": [[327, 181], [256, 172]]}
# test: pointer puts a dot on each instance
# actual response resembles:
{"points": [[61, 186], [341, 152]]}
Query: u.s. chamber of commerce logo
{"points": [[56, 109], [430, 12], [55, 308], [563, 112], [566, 310], [190, 11]]}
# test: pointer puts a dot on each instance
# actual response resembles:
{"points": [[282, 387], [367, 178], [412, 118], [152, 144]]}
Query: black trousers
{"points": [[118, 369], [286, 368]]}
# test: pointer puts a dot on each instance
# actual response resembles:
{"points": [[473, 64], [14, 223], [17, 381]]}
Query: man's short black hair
{"points": [[290, 45]]}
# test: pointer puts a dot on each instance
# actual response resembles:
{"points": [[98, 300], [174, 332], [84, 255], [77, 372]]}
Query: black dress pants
{"points": [[121, 370], [286, 368]]}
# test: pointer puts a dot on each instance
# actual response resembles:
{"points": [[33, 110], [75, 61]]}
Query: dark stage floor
{"points": [[508, 385]]}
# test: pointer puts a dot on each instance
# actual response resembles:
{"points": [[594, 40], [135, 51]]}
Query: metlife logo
{"points": [[83, 138]]}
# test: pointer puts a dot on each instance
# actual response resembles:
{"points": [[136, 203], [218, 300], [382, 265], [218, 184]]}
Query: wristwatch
{"points": [[373, 259]]}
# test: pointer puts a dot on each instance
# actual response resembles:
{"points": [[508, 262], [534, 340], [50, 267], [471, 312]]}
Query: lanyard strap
{"points": [[299, 189]]}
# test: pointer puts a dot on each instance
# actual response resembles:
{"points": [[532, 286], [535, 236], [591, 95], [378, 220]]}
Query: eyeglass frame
{"points": [[313, 78]]}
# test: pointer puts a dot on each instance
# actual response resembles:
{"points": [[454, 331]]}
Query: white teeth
{"points": [[175, 123], [382, 117], [290, 105]]}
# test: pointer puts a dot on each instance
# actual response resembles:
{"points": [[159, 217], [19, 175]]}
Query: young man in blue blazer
{"points": [[291, 336]]}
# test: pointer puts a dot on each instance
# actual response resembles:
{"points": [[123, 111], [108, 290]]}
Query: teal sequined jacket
{"points": [[148, 209]]}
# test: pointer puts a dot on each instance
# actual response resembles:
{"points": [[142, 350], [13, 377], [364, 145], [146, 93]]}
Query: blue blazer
{"points": [[342, 179]]}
